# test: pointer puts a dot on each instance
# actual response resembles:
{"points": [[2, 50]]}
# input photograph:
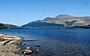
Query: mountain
{"points": [[7, 26], [40, 24], [60, 21], [64, 17], [67, 19], [2, 26]]}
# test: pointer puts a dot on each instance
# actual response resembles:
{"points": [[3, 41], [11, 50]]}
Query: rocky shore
{"points": [[9, 50], [9, 45]]}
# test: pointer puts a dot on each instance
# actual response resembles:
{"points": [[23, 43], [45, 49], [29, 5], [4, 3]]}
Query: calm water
{"points": [[65, 34], [56, 40]]}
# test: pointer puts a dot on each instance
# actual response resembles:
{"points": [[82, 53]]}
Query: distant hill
{"points": [[76, 21], [64, 17], [60, 21], [42, 25], [7, 26], [2, 26]]}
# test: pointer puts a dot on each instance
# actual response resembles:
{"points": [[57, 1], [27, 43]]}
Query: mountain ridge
{"points": [[7, 26], [60, 21], [66, 20]]}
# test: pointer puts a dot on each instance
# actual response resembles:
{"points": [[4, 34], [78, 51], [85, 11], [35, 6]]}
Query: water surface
{"points": [[63, 42]]}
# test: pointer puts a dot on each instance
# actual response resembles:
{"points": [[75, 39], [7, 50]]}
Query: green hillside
{"points": [[3, 26]]}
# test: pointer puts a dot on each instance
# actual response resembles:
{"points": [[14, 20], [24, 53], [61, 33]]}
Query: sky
{"points": [[19, 12]]}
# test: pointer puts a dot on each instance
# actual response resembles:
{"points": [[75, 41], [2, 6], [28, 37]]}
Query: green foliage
{"points": [[40, 24], [2, 26]]}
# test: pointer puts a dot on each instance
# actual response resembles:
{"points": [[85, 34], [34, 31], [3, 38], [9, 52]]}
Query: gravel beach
{"points": [[9, 50], [9, 45]]}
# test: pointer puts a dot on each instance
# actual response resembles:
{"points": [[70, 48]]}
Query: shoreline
{"points": [[10, 45]]}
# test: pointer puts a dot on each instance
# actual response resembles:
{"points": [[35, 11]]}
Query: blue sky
{"points": [[20, 12]]}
